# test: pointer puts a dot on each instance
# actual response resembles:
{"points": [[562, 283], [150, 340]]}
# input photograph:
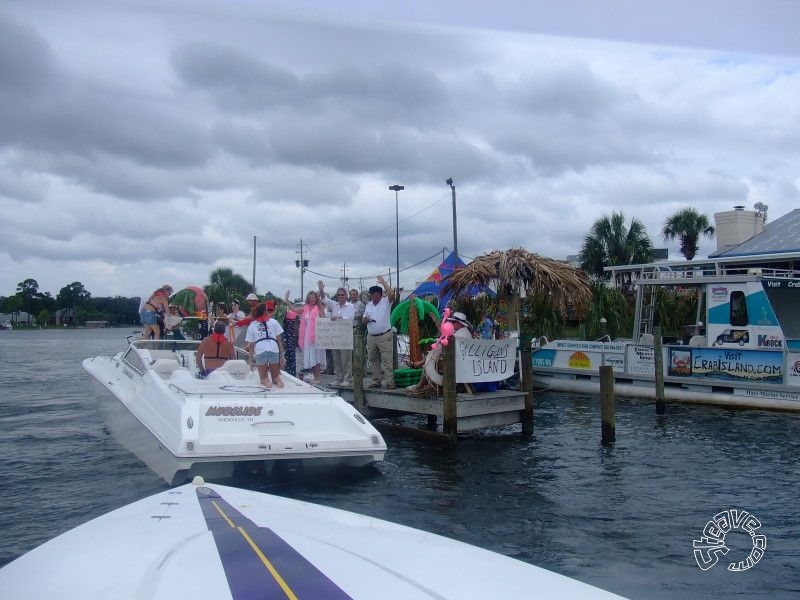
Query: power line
{"points": [[338, 277], [368, 235]]}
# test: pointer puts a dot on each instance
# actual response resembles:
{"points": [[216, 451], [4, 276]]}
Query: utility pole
{"points": [[396, 189], [344, 275], [449, 181], [254, 263], [301, 264]]}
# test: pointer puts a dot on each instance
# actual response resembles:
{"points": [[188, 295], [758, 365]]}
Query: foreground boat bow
{"points": [[214, 541]]}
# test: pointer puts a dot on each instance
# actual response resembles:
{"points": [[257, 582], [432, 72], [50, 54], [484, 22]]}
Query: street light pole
{"points": [[395, 189], [449, 181]]}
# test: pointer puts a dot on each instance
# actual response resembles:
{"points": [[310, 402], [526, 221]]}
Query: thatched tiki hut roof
{"points": [[517, 269]]}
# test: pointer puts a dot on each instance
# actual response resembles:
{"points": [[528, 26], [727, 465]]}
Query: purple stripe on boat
{"points": [[248, 577]]}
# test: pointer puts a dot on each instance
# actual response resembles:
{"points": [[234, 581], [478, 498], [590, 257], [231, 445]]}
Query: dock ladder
{"points": [[645, 303]]}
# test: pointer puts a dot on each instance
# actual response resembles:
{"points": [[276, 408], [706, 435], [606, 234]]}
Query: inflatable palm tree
{"points": [[407, 316]]}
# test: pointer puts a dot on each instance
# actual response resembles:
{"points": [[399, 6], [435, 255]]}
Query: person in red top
{"points": [[214, 350]]}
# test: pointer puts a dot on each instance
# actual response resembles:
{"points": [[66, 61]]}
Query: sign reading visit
{"points": [[484, 360], [334, 335]]}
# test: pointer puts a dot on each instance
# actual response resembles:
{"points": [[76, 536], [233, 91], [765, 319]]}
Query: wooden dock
{"points": [[457, 411], [473, 411]]}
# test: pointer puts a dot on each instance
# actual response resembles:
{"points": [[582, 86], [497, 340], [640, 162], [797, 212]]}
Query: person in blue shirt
{"points": [[486, 328]]}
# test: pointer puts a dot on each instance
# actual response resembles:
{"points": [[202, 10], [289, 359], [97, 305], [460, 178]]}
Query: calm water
{"points": [[621, 518]]}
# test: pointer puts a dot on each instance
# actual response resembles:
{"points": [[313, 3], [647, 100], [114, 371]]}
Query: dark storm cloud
{"points": [[59, 119], [27, 64], [240, 81]]}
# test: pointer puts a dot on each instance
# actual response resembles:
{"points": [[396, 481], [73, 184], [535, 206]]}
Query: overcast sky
{"points": [[147, 142]]}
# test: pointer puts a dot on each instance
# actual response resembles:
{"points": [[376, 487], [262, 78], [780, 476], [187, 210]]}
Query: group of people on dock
{"points": [[272, 346]]}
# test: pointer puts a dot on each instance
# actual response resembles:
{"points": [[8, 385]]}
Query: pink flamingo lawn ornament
{"points": [[446, 330]]}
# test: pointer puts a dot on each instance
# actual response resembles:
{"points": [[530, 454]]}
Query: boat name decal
{"points": [[233, 411]]}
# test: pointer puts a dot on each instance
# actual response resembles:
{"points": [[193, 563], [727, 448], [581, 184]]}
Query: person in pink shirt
{"points": [[313, 359]]}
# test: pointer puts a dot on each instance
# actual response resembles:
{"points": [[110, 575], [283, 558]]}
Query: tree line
{"points": [[79, 306], [79, 303]]}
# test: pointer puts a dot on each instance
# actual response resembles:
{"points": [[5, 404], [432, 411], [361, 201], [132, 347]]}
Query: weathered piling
{"points": [[450, 397], [359, 332], [526, 373], [608, 415], [658, 365]]}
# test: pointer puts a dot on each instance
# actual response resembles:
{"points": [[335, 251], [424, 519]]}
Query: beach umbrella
{"points": [[191, 300]]}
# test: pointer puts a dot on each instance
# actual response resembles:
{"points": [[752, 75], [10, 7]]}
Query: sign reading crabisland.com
{"points": [[334, 335], [484, 360]]}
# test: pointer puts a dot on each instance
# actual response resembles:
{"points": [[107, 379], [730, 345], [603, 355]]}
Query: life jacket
{"points": [[219, 338], [265, 332]]}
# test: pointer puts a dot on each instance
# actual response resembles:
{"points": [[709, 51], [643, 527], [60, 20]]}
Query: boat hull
{"points": [[181, 426], [573, 366]]}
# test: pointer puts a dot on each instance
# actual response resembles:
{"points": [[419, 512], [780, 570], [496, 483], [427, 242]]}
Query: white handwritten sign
{"points": [[334, 335], [484, 360]]}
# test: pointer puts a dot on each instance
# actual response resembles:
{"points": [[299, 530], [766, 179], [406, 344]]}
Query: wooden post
{"points": [[526, 374], [394, 351], [607, 409], [359, 332], [658, 365], [450, 397]]}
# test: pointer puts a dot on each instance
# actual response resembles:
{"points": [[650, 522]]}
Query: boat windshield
{"points": [[171, 345], [783, 298]]}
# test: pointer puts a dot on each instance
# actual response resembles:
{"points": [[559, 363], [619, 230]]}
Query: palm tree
{"points": [[687, 225], [224, 285], [610, 243]]}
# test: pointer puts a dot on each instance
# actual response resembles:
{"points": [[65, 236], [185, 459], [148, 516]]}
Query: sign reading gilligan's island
{"points": [[484, 360], [757, 366]]}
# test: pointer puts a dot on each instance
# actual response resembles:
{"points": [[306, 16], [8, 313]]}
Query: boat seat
{"points": [[234, 366], [237, 368], [166, 366], [698, 341], [646, 339]]}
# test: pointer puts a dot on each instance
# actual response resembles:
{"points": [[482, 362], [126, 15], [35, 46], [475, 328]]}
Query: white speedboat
{"points": [[201, 541], [180, 425]]}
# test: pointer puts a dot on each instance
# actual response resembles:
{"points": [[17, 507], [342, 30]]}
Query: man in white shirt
{"points": [[239, 332], [340, 308], [379, 334]]}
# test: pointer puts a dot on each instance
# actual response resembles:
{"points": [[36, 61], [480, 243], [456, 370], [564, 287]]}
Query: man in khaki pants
{"points": [[379, 334]]}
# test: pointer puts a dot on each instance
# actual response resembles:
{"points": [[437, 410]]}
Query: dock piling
{"points": [[658, 365], [359, 400], [450, 396], [526, 375], [608, 414]]}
